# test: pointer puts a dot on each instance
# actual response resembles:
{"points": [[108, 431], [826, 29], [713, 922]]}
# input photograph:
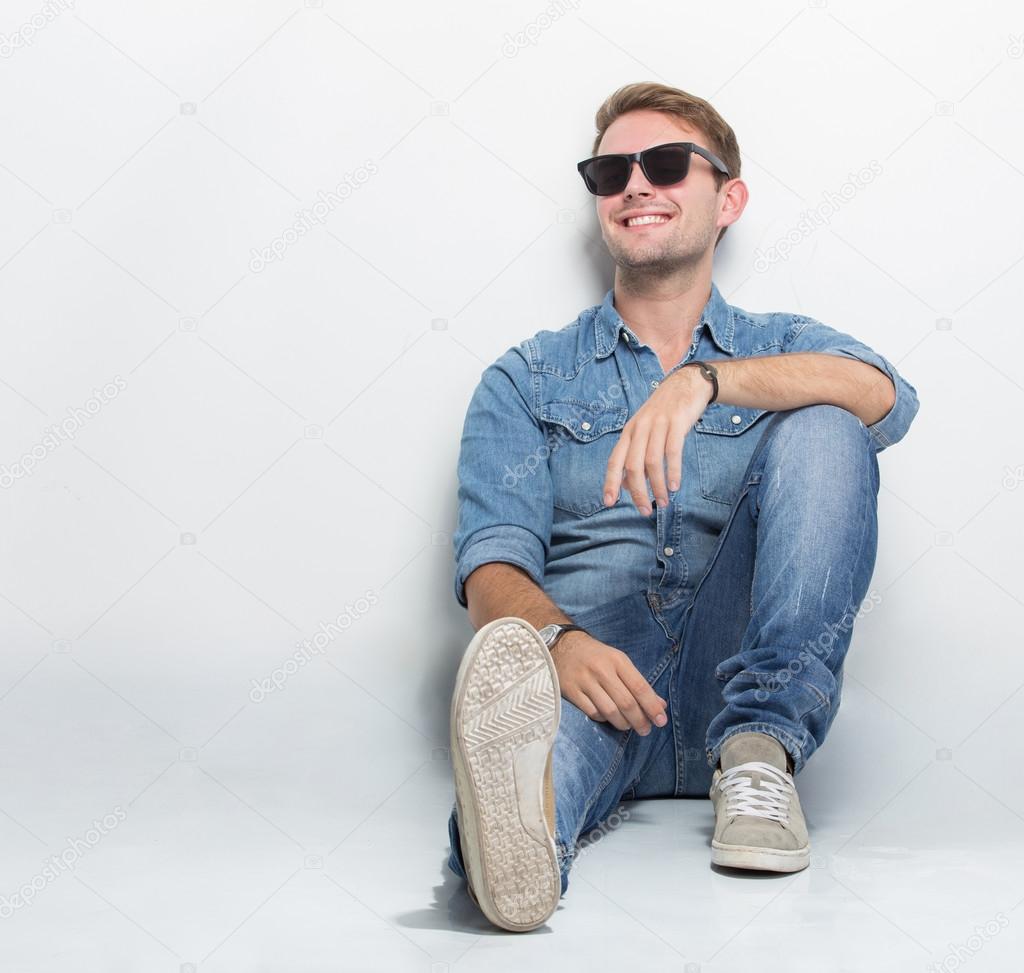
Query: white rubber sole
{"points": [[504, 718], [761, 859]]}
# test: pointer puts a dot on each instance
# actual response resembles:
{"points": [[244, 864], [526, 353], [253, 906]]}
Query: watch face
{"points": [[548, 633]]}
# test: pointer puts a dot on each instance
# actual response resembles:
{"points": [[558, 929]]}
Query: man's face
{"points": [[691, 205]]}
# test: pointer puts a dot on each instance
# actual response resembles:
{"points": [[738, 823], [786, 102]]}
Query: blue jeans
{"points": [[758, 647]]}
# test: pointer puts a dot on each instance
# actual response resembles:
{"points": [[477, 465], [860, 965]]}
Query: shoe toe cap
{"points": [[759, 833]]}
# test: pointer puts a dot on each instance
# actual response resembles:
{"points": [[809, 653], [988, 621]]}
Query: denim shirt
{"points": [[540, 429]]}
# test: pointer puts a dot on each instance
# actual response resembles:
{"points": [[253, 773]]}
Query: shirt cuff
{"points": [[509, 544], [893, 426]]}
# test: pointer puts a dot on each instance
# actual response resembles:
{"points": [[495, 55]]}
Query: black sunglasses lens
{"points": [[667, 164], [664, 165], [606, 176]]}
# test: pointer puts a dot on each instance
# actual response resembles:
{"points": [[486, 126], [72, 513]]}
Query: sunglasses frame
{"points": [[632, 157]]}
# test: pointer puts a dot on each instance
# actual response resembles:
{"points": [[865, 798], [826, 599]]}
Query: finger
{"points": [[585, 705], [654, 460], [627, 704], [635, 481], [674, 453], [613, 473], [647, 699], [606, 706]]}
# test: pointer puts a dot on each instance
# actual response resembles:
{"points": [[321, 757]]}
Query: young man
{"points": [[691, 488]]}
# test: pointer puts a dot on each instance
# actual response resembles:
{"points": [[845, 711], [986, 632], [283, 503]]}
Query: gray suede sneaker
{"points": [[504, 718], [758, 820]]}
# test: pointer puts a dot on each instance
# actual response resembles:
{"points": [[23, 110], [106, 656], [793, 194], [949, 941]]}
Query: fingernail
{"points": [[661, 719]]}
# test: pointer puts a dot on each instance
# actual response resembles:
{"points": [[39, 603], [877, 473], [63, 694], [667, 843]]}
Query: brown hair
{"points": [[679, 104]]}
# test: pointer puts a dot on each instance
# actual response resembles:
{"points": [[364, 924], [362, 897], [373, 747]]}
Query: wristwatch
{"points": [[553, 632], [711, 374]]}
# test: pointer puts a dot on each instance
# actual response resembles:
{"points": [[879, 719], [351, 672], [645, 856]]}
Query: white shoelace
{"points": [[769, 800]]}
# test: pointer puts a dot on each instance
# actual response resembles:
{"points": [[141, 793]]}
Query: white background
{"points": [[282, 454]]}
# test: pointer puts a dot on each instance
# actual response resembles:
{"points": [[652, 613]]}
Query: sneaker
{"points": [[504, 718], [758, 820]]}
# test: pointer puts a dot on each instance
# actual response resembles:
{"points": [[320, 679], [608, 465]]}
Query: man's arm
{"points": [[496, 590], [501, 543], [806, 334], [505, 505], [796, 379], [600, 679], [817, 365]]}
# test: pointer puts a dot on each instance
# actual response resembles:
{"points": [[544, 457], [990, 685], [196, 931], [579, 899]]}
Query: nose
{"points": [[638, 184]]}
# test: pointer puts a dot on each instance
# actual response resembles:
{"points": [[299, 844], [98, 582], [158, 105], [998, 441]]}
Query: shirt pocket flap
{"points": [[728, 420], [585, 421]]}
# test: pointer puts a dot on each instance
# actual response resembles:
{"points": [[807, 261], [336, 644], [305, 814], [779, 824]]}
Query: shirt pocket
{"points": [[725, 441], [580, 439]]}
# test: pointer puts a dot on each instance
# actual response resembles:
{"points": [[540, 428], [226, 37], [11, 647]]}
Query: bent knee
{"points": [[818, 448], [824, 416], [826, 433]]}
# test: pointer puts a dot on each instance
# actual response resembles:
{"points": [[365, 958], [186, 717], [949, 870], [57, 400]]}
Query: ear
{"points": [[734, 201]]}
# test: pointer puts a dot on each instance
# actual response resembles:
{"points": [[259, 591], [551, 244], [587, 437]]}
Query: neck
{"points": [[663, 312]]}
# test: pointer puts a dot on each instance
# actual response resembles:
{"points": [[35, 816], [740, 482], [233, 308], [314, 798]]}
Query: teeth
{"points": [[641, 220]]}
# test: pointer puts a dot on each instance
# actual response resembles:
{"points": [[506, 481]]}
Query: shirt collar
{"points": [[716, 317]]}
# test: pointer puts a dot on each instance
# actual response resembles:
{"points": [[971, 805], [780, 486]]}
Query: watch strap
{"points": [[711, 374], [562, 629]]}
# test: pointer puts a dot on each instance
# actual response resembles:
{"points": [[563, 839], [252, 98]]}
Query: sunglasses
{"points": [[663, 165]]}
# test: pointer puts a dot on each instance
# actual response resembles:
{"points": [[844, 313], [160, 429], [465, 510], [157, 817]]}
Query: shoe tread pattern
{"points": [[509, 701]]}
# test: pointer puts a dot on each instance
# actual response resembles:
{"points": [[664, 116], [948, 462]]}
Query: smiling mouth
{"points": [[644, 222]]}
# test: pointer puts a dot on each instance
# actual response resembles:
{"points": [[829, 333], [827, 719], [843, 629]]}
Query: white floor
{"points": [[257, 856]]}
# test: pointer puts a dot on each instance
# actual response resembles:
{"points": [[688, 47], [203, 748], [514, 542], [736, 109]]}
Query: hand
{"points": [[655, 433], [603, 682]]}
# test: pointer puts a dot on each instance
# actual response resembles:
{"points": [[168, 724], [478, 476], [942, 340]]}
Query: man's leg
{"points": [[593, 763], [771, 620]]}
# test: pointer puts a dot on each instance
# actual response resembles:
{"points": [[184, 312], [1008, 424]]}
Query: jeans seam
{"points": [[621, 749], [606, 780], [824, 700]]}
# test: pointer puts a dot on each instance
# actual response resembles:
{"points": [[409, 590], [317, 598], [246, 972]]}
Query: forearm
{"points": [[496, 590], [790, 381]]}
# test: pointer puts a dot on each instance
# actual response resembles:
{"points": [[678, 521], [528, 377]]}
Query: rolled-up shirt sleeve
{"points": [[809, 335], [505, 491]]}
